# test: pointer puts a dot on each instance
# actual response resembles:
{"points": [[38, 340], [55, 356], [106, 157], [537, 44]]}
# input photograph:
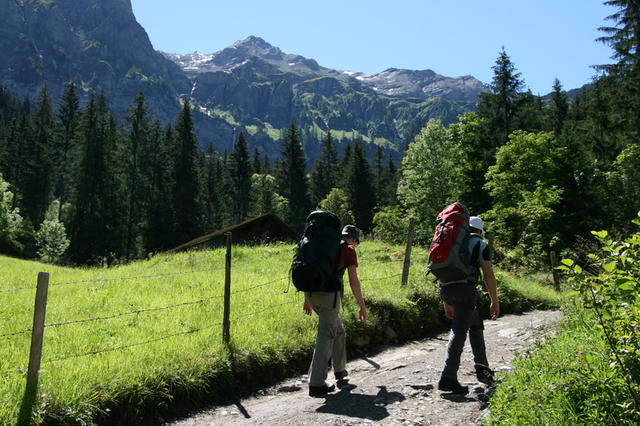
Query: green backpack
{"points": [[313, 264]]}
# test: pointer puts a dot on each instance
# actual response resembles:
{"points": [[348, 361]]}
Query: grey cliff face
{"points": [[96, 43], [250, 86]]}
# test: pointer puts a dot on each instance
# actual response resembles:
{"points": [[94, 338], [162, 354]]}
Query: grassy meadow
{"points": [[123, 341]]}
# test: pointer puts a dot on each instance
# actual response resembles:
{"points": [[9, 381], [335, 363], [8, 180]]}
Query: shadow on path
{"points": [[372, 407]]}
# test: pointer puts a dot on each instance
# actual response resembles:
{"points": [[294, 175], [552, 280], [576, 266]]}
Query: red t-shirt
{"points": [[347, 257]]}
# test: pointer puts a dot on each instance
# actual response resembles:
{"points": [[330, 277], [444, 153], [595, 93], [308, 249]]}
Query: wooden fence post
{"points": [[226, 326], [554, 271], [407, 252], [35, 354]]}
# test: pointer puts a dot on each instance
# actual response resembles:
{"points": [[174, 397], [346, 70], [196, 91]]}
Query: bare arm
{"points": [[354, 282], [492, 288]]}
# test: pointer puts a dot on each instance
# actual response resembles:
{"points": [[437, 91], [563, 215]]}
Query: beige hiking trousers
{"points": [[330, 340]]}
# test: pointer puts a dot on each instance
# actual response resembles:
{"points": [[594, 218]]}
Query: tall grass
{"points": [[133, 356], [566, 379]]}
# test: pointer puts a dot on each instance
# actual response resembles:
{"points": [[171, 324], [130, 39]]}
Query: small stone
{"points": [[290, 388]]}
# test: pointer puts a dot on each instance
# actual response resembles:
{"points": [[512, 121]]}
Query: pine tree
{"points": [[241, 173], [89, 225], [559, 106], [136, 151], [159, 232], [292, 178], [36, 185], [323, 174], [624, 39], [187, 196], [67, 145], [500, 105], [360, 188], [387, 184], [257, 164], [214, 178]]}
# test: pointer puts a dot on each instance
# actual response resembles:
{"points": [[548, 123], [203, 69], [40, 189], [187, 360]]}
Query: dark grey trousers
{"points": [[466, 318]]}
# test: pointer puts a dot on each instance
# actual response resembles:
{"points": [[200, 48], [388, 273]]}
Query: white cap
{"points": [[476, 222]]}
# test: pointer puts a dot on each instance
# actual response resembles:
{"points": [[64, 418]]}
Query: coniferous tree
{"points": [[241, 174], [187, 196], [19, 136], [257, 164], [36, 185], [67, 145], [624, 39], [136, 151], [324, 173], [214, 178], [387, 184], [89, 227], [161, 215], [292, 178], [500, 106], [559, 106], [359, 185]]}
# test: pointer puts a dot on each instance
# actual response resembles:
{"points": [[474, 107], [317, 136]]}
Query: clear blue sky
{"points": [[544, 38]]}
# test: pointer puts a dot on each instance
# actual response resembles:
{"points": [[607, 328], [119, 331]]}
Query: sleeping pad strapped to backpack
{"points": [[315, 258], [449, 257]]}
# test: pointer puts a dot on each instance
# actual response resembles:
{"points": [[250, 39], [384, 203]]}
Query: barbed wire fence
{"points": [[32, 371]]}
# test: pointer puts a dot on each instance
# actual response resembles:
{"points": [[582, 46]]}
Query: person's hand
{"points": [[494, 310], [448, 310], [307, 308], [362, 315]]}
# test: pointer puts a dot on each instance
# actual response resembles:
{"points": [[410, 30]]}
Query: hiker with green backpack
{"points": [[457, 255], [322, 256]]}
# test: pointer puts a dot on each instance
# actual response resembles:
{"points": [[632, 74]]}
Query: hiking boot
{"points": [[484, 374], [320, 390], [452, 385], [341, 379]]}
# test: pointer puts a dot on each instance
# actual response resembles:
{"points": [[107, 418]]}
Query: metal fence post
{"points": [[407, 253], [35, 354], [226, 326]]}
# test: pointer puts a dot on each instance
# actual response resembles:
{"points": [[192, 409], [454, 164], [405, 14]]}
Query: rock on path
{"points": [[395, 386]]}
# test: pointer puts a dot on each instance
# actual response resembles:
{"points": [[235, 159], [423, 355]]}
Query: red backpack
{"points": [[449, 257]]}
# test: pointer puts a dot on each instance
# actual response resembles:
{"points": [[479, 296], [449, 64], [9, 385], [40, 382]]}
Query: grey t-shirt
{"points": [[480, 252]]}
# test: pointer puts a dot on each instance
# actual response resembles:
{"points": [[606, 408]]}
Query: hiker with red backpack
{"points": [[322, 256], [457, 255]]}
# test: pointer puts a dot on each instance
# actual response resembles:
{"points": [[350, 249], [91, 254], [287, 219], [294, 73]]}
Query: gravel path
{"points": [[393, 386]]}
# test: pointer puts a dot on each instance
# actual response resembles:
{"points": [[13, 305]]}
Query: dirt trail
{"points": [[394, 386]]}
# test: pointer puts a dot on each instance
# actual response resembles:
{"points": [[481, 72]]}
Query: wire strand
{"points": [[138, 311], [258, 286], [14, 290], [131, 345], [135, 277], [15, 333]]}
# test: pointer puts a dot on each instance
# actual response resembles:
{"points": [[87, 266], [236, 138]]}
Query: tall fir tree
{"points": [[291, 178], [68, 118], [559, 107], [359, 184], [499, 105], [624, 39], [137, 171], [187, 197], [36, 185], [89, 227], [161, 217], [241, 174], [324, 173]]}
